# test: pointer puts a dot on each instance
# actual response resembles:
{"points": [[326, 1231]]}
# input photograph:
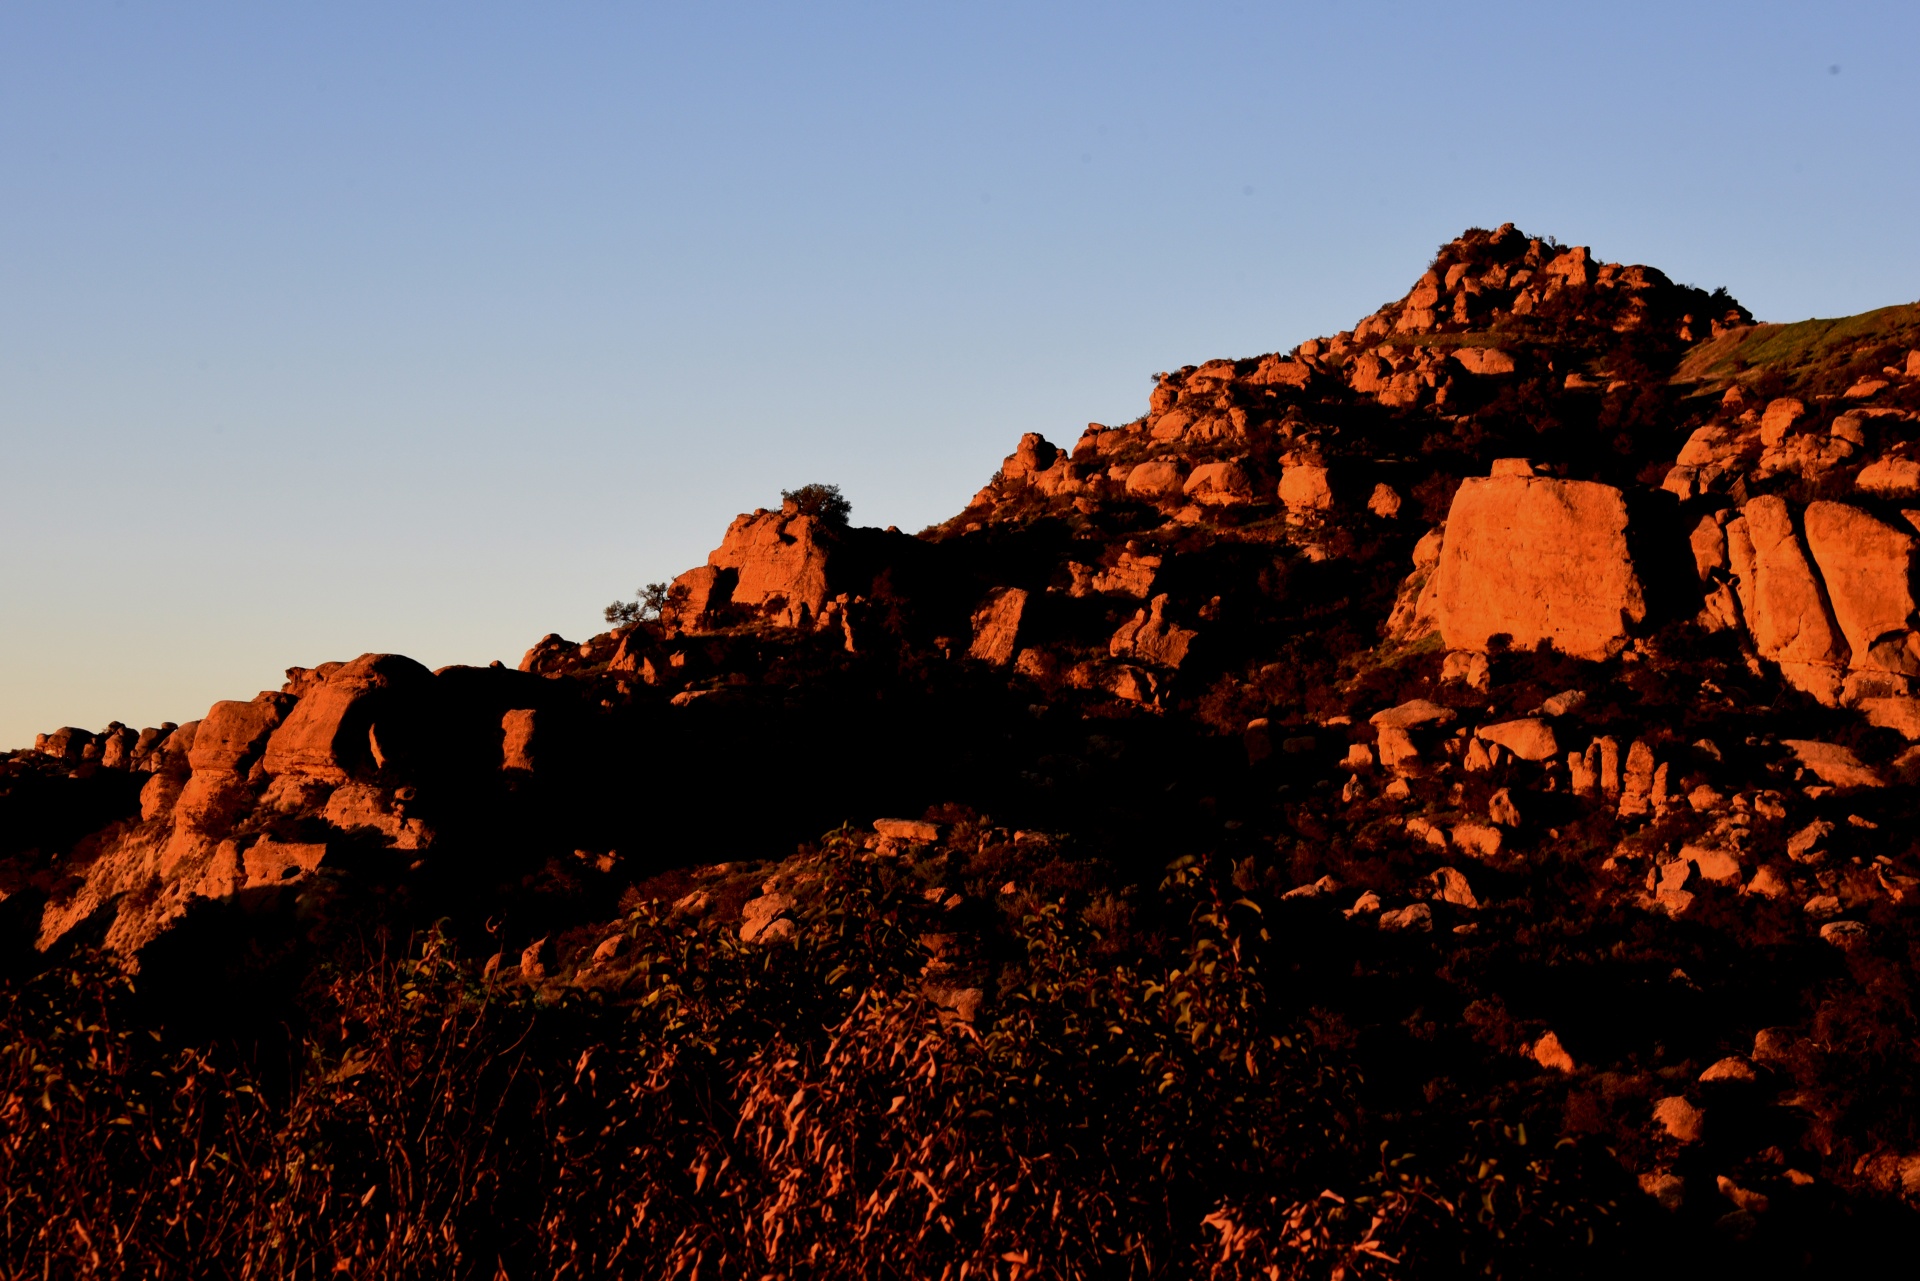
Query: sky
{"points": [[338, 327]]}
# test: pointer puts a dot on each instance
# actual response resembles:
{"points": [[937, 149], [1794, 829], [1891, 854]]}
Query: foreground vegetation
{"points": [[1159, 1099]]}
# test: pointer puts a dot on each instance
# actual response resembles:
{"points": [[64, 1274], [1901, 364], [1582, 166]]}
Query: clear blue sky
{"points": [[334, 327]]}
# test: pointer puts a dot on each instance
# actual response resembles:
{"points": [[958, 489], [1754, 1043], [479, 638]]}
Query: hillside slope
{"points": [[1436, 799]]}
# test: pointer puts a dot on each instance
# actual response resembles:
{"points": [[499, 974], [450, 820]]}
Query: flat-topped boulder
{"points": [[1536, 559]]}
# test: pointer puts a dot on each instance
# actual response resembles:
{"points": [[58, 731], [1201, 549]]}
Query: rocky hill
{"points": [[1505, 704]]}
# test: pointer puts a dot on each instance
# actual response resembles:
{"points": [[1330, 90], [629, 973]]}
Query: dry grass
{"points": [[746, 1112]]}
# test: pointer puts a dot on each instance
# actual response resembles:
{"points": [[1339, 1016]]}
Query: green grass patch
{"points": [[1798, 347]]}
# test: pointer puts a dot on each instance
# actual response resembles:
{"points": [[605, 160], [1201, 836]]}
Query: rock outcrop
{"points": [[1151, 637], [350, 721], [1783, 600], [1866, 566], [996, 627], [1537, 560], [777, 563], [1652, 680]]}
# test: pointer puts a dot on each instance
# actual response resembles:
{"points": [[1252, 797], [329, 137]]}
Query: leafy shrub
{"points": [[823, 502], [648, 603]]}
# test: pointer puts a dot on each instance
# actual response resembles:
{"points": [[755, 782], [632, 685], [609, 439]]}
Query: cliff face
{"points": [[1551, 591]]}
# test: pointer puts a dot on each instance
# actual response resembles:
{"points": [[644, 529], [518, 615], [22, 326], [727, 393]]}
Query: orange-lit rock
{"points": [[1537, 559], [779, 560], [1304, 488], [232, 734], [1151, 637], [1867, 568], [269, 862], [328, 733], [996, 627], [1219, 484], [1782, 599], [1156, 478], [517, 732], [1034, 454]]}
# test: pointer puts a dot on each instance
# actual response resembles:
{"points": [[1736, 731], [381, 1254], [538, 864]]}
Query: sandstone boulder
{"points": [[1396, 748], [1779, 419], [1548, 1052], [1450, 886], [159, 794], [148, 748], [302, 681], [1156, 478], [1703, 448], [1412, 714], [518, 732], [329, 733], [174, 753], [1530, 738], [1636, 788], [1468, 667], [1709, 542], [1832, 763], [1064, 477], [764, 919], [779, 562], [1680, 1119], [1484, 361], [1367, 373], [1033, 454], [1890, 478], [1414, 916], [1713, 865], [1278, 371], [691, 599], [1151, 637], [1478, 839], [1304, 488], [1573, 267], [1899, 714], [232, 734], [1782, 599], [636, 651], [1537, 559], [67, 744], [1125, 681], [1867, 568], [116, 746], [1131, 574], [910, 831], [1414, 609], [1219, 484], [996, 626], [1171, 425], [1731, 1068]]}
